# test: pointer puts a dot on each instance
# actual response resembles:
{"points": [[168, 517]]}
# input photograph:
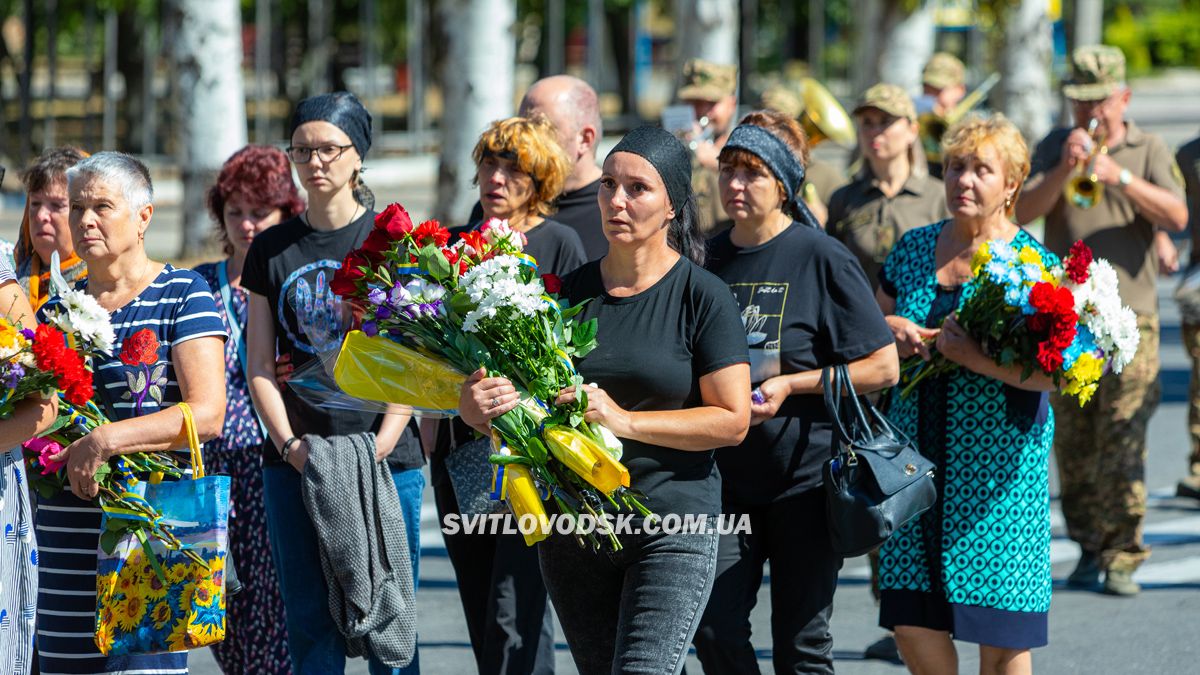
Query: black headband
{"points": [[782, 162], [668, 157], [341, 109]]}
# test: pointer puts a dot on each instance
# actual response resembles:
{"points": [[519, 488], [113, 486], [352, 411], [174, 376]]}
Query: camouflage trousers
{"points": [[1101, 453], [1191, 342]]}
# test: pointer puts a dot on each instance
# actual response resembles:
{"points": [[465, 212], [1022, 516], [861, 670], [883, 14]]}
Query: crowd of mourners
{"points": [[728, 264]]}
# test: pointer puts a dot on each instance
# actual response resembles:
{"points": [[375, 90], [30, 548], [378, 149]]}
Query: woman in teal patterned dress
{"points": [[976, 567]]}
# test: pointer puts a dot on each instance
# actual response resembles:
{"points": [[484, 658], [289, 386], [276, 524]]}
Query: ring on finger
{"points": [[495, 401]]}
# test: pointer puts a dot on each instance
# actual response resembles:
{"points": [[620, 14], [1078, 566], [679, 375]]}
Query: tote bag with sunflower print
{"points": [[174, 601]]}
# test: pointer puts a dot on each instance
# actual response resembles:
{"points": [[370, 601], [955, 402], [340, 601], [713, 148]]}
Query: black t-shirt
{"points": [[291, 265], [806, 304], [578, 210], [653, 348]]}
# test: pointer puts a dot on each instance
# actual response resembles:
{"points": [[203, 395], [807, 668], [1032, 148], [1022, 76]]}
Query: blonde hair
{"points": [[969, 135], [532, 144]]}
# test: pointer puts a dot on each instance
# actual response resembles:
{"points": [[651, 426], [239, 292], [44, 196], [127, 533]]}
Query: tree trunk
{"points": [[1088, 23], [710, 30], [1028, 50], [477, 76], [207, 59], [906, 44]]}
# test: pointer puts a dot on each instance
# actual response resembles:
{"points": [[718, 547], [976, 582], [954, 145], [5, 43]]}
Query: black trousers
{"points": [[792, 534], [509, 617]]}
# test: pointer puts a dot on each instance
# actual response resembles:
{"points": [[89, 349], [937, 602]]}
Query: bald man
{"points": [[573, 108]]}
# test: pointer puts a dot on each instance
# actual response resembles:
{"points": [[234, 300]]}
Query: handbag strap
{"points": [[189, 427]]}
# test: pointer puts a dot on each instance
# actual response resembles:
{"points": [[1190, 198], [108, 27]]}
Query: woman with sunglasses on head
{"points": [[806, 305], [293, 311]]}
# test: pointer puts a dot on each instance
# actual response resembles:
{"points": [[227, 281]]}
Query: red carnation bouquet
{"points": [[1065, 320]]}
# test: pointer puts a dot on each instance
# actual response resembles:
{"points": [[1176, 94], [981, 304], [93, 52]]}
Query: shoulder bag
{"points": [[875, 480]]}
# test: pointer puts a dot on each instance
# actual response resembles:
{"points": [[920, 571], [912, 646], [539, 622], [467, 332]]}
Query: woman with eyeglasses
{"points": [[293, 311]]}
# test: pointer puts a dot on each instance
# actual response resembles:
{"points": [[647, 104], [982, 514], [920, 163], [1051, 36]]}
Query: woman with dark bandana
{"points": [[806, 304]]}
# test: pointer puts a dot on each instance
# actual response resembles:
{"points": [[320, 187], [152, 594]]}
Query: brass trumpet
{"points": [[1084, 189], [825, 118], [934, 126]]}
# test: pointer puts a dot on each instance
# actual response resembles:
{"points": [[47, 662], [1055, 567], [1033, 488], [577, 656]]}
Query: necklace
{"points": [[307, 221], [137, 285]]}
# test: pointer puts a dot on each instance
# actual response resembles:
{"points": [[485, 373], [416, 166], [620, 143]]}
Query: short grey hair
{"points": [[120, 169]]}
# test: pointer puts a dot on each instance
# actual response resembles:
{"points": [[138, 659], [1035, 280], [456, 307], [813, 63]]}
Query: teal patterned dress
{"points": [[978, 563]]}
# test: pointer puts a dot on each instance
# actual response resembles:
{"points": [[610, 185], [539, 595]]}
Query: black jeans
{"points": [[792, 534], [633, 610], [509, 620]]}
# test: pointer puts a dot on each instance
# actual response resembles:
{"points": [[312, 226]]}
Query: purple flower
{"points": [[29, 334], [382, 312], [377, 296], [15, 373], [370, 328]]}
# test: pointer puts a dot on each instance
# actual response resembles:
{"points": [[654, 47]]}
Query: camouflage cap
{"points": [[784, 99], [1096, 72], [889, 98], [944, 70], [707, 81]]}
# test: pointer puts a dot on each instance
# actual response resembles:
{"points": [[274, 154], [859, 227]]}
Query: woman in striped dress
{"points": [[165, 320], [18, 553]]}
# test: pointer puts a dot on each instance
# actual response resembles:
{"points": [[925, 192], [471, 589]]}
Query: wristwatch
{"points": [[1125, 177]]}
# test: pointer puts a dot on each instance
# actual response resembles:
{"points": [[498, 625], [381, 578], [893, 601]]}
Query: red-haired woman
{"points": [[253, 192]]}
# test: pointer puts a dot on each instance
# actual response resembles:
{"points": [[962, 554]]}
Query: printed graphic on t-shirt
{"points": [[318, 320], [762, 306]]}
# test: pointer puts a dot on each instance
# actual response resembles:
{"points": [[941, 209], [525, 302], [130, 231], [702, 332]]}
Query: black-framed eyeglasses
{"points": [[301, 154]]}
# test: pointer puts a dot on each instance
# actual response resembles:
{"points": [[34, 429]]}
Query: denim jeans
{"points": [[633, 610], [792, 534], [316, 645]]}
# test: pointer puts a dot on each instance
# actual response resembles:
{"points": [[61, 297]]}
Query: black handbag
{"points": [[876, 480]]}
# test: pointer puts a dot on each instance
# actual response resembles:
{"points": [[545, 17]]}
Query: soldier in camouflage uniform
{"points": [[1188, 295], [711, 90], [1101, 448], [944, 82]]}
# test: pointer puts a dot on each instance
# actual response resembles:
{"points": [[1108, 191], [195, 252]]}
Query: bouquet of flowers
{"points": [[1065, 321], [56, 356], [480, 302]]}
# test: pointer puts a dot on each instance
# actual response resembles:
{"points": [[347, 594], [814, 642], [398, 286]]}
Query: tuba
{"points": [[824, 118], [934, 126], [1084, 189]]}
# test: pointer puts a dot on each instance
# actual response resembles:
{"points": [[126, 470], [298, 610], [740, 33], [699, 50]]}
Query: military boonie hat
{"points": [[707, 81], [784, 99], [944, 70], [889, 98], [1096, 72]]}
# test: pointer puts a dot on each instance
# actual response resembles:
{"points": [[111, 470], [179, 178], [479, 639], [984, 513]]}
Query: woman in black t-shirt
{"points": [[293, 311], [520, 170], [806, 304], [669, 378]]}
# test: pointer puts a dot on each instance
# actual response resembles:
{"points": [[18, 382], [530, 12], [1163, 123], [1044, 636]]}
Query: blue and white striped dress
{"points": [[177, 306], [18, 554]]}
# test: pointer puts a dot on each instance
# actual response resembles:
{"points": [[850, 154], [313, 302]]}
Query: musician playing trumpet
{"points": [[1138, 192], [711, 90]]}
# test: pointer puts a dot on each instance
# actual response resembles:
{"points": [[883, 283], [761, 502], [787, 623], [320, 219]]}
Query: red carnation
{"points": [[395, 221], [1078, 261], [70, 373], [345, 280], [1041, 297], [430, 232], [552, 283], [140, 349], [1049, 358]]}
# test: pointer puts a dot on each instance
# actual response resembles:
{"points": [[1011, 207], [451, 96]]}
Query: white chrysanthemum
{"points": [[496, 284], [82, 315]]}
